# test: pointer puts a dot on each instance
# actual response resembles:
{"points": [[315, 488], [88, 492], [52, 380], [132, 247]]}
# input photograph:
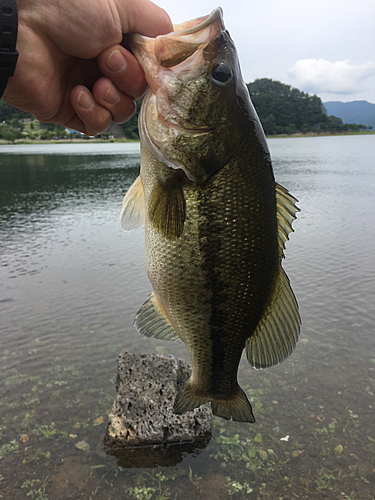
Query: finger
{"points": [[94, 117], [122, 68], [121, 106], [76, 124], [143, 16]]}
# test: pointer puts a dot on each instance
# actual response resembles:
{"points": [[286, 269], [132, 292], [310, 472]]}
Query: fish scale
{"points": [[215, 221]]}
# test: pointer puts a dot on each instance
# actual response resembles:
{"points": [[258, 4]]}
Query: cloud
{"points": [[319, 75]]}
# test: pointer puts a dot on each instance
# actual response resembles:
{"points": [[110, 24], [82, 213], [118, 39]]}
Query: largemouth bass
{"points": [[215, 221]]}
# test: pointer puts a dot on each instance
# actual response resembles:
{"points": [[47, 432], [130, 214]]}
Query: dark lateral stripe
{"points": [[210, 238]]}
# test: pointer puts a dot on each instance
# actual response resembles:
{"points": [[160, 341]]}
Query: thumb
{"points": [[143, 16]]}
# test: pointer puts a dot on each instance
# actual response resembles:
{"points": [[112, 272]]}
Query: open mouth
{"points": [[170, 50], [196, 25], [174, 48]]}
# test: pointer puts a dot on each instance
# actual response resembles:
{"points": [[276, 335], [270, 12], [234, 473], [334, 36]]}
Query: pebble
{"points": [[83, 445]]}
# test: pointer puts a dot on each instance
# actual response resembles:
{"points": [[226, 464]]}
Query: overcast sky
{"points": [[323, 47]]}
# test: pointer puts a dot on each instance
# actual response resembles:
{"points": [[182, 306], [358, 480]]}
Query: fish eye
{"points": [[222, 73]]}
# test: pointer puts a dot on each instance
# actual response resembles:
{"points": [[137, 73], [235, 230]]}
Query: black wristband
{"points": [[8, 39]]}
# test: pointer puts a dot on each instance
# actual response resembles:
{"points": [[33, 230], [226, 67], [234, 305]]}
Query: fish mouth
{"points": [[190, 36], [164, 59], [196, 25], [169, 50]]}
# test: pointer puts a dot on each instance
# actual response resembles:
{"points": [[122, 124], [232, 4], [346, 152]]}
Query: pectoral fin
{"points": [[152, 321], [132, 214], [166, 208]]}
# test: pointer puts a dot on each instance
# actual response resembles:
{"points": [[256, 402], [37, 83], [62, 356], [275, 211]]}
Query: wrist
{"points": [[8, 39]]}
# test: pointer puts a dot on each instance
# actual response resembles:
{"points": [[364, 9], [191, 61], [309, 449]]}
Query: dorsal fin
{"points": [[286, 214], [132, 214], [277, 331]]}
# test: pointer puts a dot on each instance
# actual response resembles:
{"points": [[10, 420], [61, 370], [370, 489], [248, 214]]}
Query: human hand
{"points": [[71, 67]]}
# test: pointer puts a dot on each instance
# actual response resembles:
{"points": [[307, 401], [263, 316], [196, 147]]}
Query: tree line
{"points": [[16, 124], [281, 108]]}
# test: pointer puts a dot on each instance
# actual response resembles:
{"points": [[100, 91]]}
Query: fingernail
{"points": [[116, 61], [85, 100], [112, 96]]}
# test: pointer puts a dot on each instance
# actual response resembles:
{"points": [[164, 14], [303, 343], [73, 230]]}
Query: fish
{"points": [[216, 222]]}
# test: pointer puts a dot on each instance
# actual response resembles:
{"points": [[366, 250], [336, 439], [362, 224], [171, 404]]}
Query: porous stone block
{"points": [[142, 413]]}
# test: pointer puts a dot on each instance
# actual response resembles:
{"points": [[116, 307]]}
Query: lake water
{"points": [[71, 282]]}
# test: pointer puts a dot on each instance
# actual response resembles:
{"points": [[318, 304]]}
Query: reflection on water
{"points": [[71, 283], [151, 457]]}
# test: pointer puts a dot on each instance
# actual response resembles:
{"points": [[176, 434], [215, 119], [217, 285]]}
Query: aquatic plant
{"points": [[237, 488], [11, 447], [16, 379], [325, 481], [48, 431], [258, 458], [35, 494], [141, 492]]}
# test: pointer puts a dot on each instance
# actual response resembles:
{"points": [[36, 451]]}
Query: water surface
{"points": [[71, 282]]}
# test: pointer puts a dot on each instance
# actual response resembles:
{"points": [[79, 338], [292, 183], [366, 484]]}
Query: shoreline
{"points": [[65, 141], [113, 140], [320, 134]]}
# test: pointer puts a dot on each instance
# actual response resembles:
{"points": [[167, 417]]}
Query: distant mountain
{"points": [[359, 112]]}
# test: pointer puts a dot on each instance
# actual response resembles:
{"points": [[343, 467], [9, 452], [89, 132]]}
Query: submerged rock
{"points": [[83, 445], [142, 415]]}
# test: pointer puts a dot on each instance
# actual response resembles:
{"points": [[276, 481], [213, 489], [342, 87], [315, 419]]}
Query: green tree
{"points": [[269, 124], [130, 128], [7, 112], [283, 108], [52, 127], [16, 124], [9, 134]]}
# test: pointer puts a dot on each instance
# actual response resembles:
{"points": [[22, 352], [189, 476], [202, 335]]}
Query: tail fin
{"points": [[237, 408]]}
